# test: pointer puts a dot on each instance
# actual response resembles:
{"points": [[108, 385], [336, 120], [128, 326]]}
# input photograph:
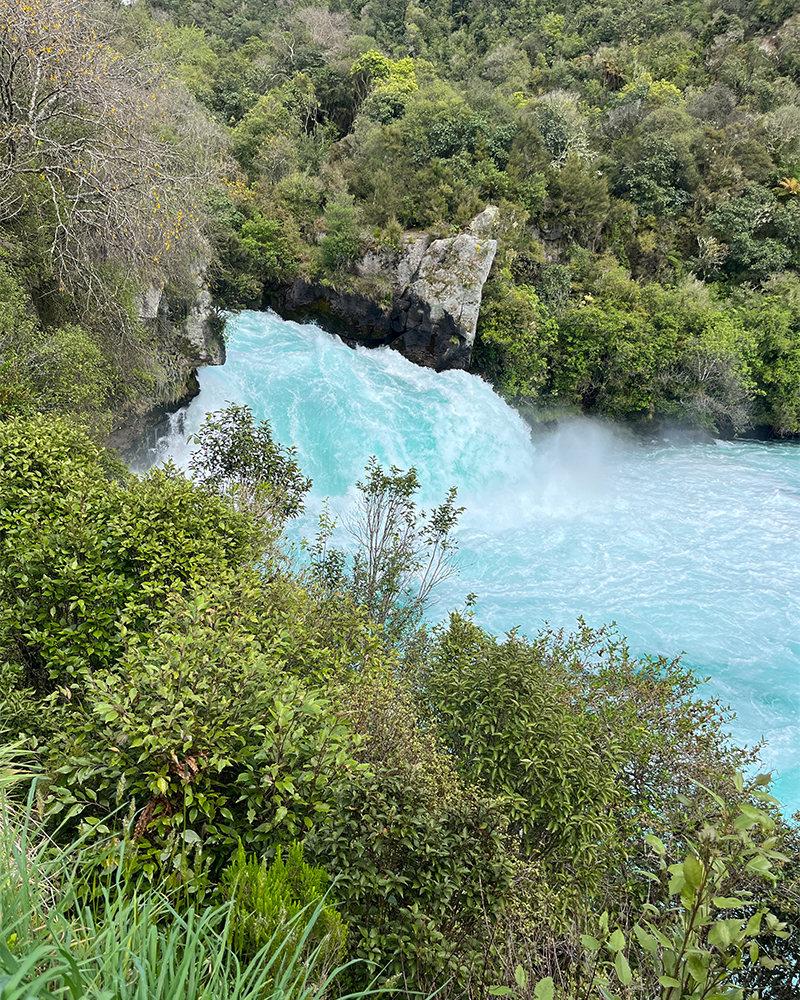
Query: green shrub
{"points": [[130, 944], [200, 736], [520, 737], [87, 551], [707, 929], [419, 882], [238, 458], [640, 354], [342, 245], [584, 745], [514, 339], [69, 372], [268, 899]]}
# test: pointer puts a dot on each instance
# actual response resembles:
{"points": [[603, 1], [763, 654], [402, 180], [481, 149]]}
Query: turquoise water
{"points": [[689, 547]]}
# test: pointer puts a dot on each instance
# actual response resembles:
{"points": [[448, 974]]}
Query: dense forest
{"points": [[231, 770], [644, 158]]}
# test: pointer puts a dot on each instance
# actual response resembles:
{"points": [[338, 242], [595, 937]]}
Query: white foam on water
{"points": [[693, 547]]}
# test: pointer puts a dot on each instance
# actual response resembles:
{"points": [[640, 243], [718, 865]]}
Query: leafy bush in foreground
{"points": [[476, 802]]}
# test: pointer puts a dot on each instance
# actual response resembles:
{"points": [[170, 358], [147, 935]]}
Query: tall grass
{"points": [[128, 945]]}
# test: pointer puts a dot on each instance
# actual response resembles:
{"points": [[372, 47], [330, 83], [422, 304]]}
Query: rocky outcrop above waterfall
{"points": [[187, 335], [422, 298]]}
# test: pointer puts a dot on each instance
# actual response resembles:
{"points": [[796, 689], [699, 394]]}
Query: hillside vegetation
{"points": [[644, 157]]}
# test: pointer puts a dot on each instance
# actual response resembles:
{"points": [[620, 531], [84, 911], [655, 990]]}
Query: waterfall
{"points": [[693, 546]]}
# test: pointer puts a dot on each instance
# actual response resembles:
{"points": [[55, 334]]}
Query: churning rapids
{"points": [[686, 546]]}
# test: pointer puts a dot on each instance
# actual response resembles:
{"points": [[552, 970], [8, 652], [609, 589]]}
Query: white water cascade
{"points": [[687, 546]]}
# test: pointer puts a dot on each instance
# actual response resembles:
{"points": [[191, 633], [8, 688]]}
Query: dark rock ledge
{"points": [[424, 299]]}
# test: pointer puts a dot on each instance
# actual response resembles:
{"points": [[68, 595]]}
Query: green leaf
{"points": [[617, 941], [521, 977], [669, 981], [545, 989], [647, 941], [676, 883], [656, 844], [590, 943], [720, 935], [499, 991], [753, 925], [624, 973], [758, 864], [728, 902], [693, 870], [698, 967]]}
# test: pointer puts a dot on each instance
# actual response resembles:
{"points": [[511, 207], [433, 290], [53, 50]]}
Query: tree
{"points": [[514, 336], [522, 737], [402, 553], [760, 233], [238, 459], [578, 199], [86, 148], [343, 243]]}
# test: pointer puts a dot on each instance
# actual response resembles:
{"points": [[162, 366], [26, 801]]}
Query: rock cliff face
{"points": [[423, 299], [187, 338]]}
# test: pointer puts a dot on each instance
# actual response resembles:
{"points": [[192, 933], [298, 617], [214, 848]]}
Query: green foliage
{"points": [[267, 139], [15, 394], [63, 369], [402, 554], [237, 458], [656, 355], [342, 244], [127, 943], [87, 551], [579, 199], [415, 885], [266, 244], [70, 373], [373, 68], [205, 736], [514, 338], [18, 321], [696, 943], [523, 739], [775, 313], [760, 235], [267, 900]]}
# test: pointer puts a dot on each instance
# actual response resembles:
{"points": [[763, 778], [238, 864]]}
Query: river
{"points": [[687, 546]]}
